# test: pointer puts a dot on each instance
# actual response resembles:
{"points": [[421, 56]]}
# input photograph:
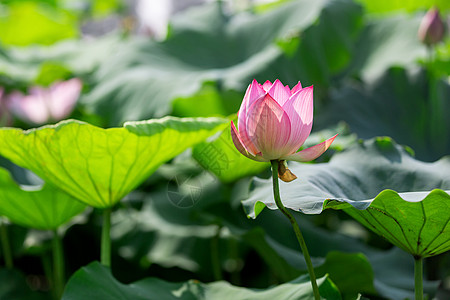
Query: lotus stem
{"points": [[106, 238], [6, 246], [58, 265], [215, 255], [418, 278], [298, 233]]}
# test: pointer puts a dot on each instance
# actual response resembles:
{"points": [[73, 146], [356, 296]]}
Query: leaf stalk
{"points": [[6, 245], [58, 265], [105, 256], [298, 233], [418, 278]]}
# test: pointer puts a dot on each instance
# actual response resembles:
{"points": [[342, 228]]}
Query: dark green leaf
{"points": [[96, 282], [401, 104], [14, 287]]}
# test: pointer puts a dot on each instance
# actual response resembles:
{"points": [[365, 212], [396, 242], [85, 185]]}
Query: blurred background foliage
{"points": [[371, 75]]}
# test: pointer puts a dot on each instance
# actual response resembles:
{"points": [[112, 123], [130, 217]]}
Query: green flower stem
{"points": [[418, 277], [58, 265], [298, 233], [6, 246], [106, 238], [215, 255]]}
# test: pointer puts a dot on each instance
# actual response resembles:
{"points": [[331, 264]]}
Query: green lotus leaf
{"points": [[100, 166], [362, 181], [43, 207], [235, 49], [27, 22], [417, 114], [220, 157], [418, 223], [96, 282]]}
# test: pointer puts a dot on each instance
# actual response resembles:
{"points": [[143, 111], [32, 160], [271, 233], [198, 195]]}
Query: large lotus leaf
{"points": [[418, 223], [96, 282], [400, 104], [206, 45], [357, 177], [36, 207], [100, 166]]}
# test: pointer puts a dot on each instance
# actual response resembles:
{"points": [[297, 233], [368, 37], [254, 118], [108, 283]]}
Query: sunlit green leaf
{"points": [[359, 177], [26, 23], [96, 282], [37, 207], [100, 166]]}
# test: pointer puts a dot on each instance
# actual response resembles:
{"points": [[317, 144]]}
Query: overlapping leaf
{"points": [[100, 166], [418, 223], [96, 282], [234, 50], [221, 157], [39, 207], [356, 178], [162, 233], [24, 65], [400, 104]]}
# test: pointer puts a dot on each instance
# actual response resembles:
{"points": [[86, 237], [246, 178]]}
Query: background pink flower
{"points": [[44, 105]]}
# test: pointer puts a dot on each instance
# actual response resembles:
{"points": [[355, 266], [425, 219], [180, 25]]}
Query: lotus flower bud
{"points": [[431, 30]]}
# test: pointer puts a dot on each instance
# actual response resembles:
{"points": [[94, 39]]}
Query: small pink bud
{"points": [[431, 30]]}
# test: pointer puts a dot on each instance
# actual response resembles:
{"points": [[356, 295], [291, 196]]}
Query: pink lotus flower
{"points": [[43, 105], [431, 30], [274, 122]]}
